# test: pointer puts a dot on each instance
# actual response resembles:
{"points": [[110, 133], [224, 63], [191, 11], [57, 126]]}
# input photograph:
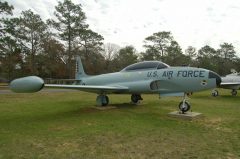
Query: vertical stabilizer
{"points": [[79, 69]]}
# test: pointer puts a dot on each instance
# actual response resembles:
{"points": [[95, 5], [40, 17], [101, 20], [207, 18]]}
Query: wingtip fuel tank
{"points": [[28, 84]]}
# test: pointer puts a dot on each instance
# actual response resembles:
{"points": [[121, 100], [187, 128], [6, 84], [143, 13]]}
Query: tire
{"points": [[134, 98], [234, 92], [107, 101], [184, 108], [215, 93], [102, 100]]}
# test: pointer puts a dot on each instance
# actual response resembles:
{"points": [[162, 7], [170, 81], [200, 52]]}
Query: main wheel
{"points": [[234, 92], [105, 101], [215, 93], [184, 106], [135, 98], [102, 100]]}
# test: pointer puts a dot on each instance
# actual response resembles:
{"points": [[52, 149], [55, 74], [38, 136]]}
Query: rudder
{"points": [[79, 69]]}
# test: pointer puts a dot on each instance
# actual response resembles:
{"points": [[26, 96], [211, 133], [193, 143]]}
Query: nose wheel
{"points": [[184, 105]]}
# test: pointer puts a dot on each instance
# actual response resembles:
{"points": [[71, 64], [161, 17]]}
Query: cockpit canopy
{"points": [[146, 65]]}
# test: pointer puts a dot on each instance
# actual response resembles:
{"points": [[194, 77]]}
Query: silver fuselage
{"points": [[232, 78], [167, 80]]}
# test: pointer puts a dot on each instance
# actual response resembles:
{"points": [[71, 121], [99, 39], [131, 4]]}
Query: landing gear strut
{"points": [[184, 106], [234, 92], [135, 98], [102, 100]]}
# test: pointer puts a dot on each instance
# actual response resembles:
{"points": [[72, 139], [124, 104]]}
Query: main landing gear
{"points": [[234, 92], [215, 93], [135, 98], [184, 105], [102, 100]]}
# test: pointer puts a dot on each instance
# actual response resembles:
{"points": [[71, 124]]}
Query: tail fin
{"points": [[79, 69]]}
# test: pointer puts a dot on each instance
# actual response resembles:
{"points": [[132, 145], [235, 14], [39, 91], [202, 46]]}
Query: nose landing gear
{"points": [[184, 105]]}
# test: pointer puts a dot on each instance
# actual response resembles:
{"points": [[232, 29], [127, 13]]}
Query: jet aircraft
{"points": [[148, 77], [230, 81]]}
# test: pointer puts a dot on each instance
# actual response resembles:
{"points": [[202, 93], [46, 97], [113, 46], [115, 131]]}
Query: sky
{"points": [[128, 22]]}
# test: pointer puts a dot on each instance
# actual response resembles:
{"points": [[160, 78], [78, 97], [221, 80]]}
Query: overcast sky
{"points": [[129, 22]]}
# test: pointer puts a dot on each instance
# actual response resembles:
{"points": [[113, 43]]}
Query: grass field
{"points": [[67, 125]]}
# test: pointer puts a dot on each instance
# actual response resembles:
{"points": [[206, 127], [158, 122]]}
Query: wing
{"points": [[91, 88], [229, 84], [176, 94]]}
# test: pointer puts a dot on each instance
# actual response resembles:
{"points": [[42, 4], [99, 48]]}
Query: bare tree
{"points": [[109, 52]]}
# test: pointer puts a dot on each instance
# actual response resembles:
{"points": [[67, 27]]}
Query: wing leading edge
{"points": [[91, 88], [230, 83]]}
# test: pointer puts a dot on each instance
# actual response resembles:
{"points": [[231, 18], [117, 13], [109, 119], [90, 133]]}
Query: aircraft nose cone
{"points": [[216, 76]]}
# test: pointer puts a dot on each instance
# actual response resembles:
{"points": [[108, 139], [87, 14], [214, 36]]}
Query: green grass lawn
{"points": [[67, 125]]}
